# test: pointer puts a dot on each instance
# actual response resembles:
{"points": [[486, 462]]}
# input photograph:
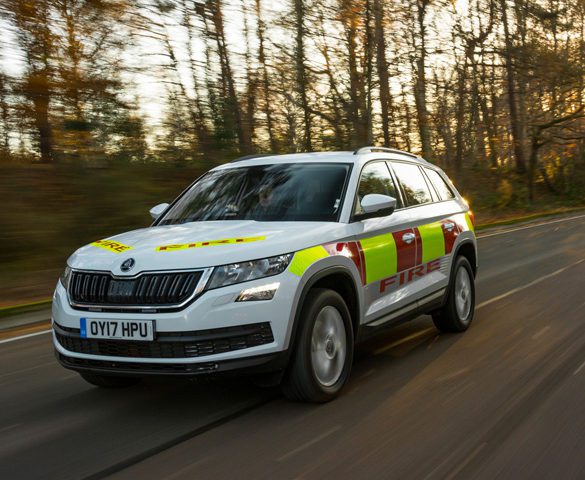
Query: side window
{"points": [[444, 191], [375, 178], [414, 185]]}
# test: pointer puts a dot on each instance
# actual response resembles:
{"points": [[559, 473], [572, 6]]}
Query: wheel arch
{"points": [[468, 250], [338, 279]]}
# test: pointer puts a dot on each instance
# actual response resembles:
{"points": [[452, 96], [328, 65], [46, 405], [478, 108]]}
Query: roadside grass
{"points": [[21, 309], [528, 218]]}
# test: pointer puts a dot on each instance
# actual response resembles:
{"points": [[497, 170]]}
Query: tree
{"points": [[515, 122], [37, 42], [386, 104], [301, 72]]}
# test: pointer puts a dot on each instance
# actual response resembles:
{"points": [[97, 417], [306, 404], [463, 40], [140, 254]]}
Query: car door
{"points": [[388, 246], [434, 228]]}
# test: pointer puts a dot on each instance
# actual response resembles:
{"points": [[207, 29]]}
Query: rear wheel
{"points": [[109, 381], [323, 354], [457, 314]]}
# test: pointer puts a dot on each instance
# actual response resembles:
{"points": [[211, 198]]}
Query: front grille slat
{"points": [[199, 344], [173, 289], [189, 283], [149, 289], [103, 289], [141, 289], [84, 288], [162, 289]]}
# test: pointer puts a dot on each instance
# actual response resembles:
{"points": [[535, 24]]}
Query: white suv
{"points": [[271, 265]]}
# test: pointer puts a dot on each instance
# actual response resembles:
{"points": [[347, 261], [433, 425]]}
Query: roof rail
{"points": [[253, 155], [369, 149]]}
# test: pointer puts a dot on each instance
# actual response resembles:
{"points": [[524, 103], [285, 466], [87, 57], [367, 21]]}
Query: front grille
{"points": [[199, 343], [156, 289]]}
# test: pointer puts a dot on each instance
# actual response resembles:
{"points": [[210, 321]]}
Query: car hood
{"points": [[204, 244]]}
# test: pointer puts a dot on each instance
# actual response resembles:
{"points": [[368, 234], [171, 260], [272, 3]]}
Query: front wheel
{"points": [[457, 314], [322, 358]]}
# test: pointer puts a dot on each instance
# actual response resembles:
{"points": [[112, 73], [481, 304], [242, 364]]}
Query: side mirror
{"points": [[157, 211], [376, 205]]}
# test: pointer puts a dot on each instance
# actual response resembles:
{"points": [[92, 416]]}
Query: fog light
{"points": [[263, 292]]}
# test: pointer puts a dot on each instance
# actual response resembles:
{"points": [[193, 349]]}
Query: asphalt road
{"points": [[504, 400]]}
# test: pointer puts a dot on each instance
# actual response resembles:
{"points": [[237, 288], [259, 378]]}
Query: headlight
{"points": [[65, 277], [263, 292], [245, 271]]}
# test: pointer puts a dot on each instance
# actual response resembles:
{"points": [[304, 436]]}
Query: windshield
{"points": [[282, 192]]}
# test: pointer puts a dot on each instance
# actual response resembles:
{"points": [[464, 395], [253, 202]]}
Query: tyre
{"points": [[107, 381], [323, 353], [457, 313]]}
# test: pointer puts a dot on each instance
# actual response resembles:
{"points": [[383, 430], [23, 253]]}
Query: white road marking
{"points": [[528, 285], [9, 427], [579, 369], [453, 375], [540, 332], [185, 469], [465, 462], [526, 227], [308, 444], [14, 339], [24, 370]]}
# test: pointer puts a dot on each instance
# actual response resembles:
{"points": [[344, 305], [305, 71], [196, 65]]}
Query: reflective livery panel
{"points": [[394, 266]]}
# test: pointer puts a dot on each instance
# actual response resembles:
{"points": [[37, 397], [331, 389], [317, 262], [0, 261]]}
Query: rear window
{"points": [[414, 186], [444, 190]]}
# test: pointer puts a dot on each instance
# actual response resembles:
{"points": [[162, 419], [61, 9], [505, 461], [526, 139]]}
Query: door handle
{"points": [[408, 237], [449, 226]]}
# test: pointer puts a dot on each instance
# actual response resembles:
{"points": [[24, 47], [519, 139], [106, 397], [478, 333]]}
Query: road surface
{"points": [[504, 400]]}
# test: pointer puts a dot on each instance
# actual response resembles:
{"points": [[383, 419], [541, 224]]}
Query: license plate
{"points": [[117, 329]]}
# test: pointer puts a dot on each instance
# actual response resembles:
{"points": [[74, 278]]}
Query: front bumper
{"points": [[212, 334], [273, 362]]}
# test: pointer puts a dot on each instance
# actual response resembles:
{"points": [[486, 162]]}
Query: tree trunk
{"points": [[249, 123], [369, 74], [233, 105], [357, 94], [4, 116], [301, 73], [517, 129], [383, 77], [41, 117], [265, 83], [420, 85], [460, 118], [197, 114]]}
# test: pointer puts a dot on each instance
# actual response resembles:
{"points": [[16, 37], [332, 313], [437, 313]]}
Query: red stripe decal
{"points": [[419, 247], [406, 251], [362, 259], [351, 250], [450, 235]]}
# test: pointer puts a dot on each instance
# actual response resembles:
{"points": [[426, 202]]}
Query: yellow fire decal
{"points": [[210, 243], [111, 245]]}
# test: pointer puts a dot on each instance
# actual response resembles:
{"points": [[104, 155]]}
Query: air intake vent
{"points": [[148, 289]]}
